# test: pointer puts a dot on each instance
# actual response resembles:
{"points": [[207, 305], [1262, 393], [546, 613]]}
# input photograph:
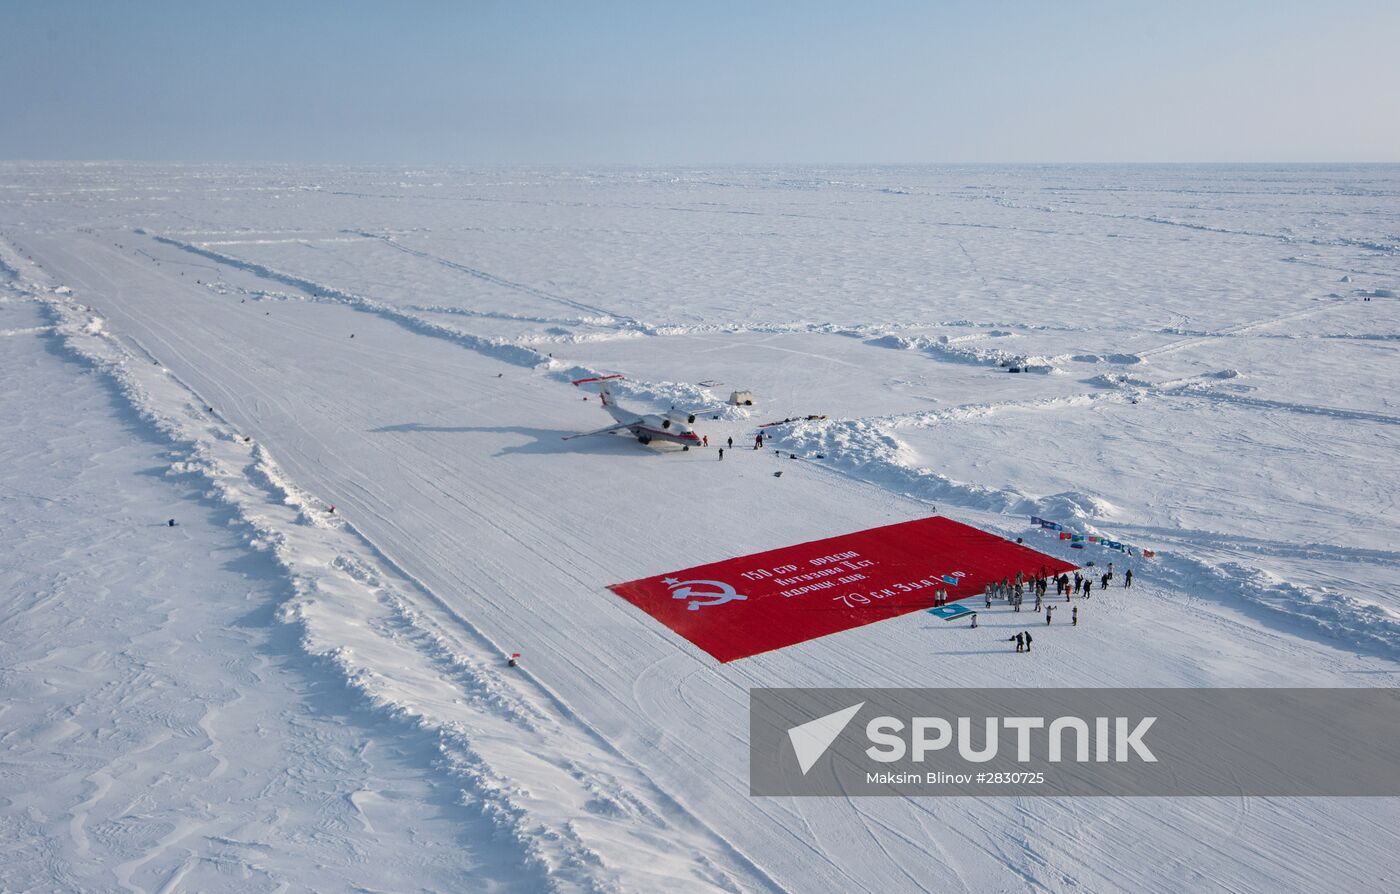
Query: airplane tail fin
{"points": [[604, 394]]}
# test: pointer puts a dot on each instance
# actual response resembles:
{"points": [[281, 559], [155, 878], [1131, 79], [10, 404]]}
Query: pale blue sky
{"points": [[669, 82]]}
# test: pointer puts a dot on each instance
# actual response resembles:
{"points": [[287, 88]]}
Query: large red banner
{"points": [[751, 604]]}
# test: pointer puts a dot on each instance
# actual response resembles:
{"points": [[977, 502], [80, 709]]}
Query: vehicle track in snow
{"points": [[506, 283]]}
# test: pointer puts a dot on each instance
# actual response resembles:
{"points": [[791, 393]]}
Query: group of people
{"points": [[757, 443], [1085, 584], [1016, 590]]}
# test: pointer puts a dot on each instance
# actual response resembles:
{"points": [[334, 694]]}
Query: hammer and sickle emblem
{"points": [[702, 592]]}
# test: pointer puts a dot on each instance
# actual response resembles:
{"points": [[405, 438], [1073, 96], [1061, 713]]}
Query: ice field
{"points": [[270, 696]]}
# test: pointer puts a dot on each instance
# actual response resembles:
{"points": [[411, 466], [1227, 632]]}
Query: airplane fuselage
{"points": [[653, 427]]}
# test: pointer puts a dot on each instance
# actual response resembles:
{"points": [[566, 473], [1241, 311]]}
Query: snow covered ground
{"points": [[160, 730], [271, 695]]}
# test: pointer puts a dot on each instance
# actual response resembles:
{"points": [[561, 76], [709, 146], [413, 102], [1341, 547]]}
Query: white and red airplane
{"points": [[653, 427]]}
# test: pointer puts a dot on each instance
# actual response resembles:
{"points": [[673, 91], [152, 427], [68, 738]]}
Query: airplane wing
{"points": [[602, 431], [689, 416]]}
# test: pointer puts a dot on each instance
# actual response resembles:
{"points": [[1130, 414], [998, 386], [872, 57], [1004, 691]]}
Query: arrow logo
{"points": [[810, 740]]}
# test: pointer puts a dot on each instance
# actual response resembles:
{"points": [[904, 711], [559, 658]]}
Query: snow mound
{"points": [[1076, 505], [956, 350], [898, 342], [682, 396], [1120, 359]]}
